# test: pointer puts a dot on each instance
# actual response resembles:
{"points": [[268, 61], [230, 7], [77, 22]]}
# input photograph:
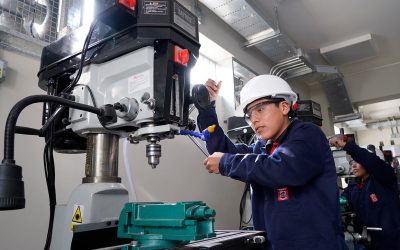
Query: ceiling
{"points": [[313, 25], [212, 50], [378, 115], [381, 110]]}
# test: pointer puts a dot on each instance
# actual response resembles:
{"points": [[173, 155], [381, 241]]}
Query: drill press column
{"points": [[102, 159]]}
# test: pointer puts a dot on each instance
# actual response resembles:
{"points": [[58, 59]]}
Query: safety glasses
{"points": [[258, 109]]}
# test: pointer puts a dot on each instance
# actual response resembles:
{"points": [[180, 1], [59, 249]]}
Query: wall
{"points": [[313, 91], [28, 224], [225, 104], [375, 84], [302, 89], [318, 95], [374, 136]]}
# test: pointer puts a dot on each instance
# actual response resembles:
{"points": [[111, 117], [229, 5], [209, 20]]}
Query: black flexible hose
{"points": [[9, 133], [27, 131]]}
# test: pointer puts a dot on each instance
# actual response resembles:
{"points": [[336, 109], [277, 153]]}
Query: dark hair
{"points": [[371, 148]]}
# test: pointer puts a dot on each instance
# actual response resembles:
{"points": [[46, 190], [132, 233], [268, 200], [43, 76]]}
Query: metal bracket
{"points": [[162, 131]]}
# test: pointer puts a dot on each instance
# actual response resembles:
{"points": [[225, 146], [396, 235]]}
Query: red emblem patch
{"points": [[373, 198], [283, 194]]}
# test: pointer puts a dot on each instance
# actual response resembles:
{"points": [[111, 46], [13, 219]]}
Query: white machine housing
{"points": [[129, 76]]}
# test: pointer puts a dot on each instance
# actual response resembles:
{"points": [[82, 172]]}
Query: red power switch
{"points": [[130, 4], [181, 56]]}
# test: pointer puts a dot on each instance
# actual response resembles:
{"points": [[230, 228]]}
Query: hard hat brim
{"points": [[239, 110]]}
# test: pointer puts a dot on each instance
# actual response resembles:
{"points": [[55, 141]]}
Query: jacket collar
{"points": [[274, 143]]}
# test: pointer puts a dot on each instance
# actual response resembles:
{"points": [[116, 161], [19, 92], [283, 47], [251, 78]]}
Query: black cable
{"points": [[48, 129], [48, 158], [98, 49], [50, 181], [51, 191], [51, 119], [9, 132], [90, 93], [60, 110], [49, 167], [83, 56], [243, 200], [243, 206]]}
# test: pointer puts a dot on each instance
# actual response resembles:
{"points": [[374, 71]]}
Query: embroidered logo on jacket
{"points": [[373, 198], [283, 194]]}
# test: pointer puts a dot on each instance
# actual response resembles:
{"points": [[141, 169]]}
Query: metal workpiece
{"points": [[129, 108], [102, 158]]}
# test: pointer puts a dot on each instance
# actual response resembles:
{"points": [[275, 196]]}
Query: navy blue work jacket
{"points": [[375, 201], [295, 195]]}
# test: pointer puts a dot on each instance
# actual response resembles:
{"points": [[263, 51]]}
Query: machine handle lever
{"points": [[258, 239]]}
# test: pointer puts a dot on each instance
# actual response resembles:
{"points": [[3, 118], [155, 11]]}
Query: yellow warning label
{"points": [[77, 215]]}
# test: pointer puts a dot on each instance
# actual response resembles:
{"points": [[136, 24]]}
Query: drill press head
{"points": [[138, 60]]}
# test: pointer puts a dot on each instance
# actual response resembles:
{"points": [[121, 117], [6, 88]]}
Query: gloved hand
{"points": [[204, 95], [201, 98]]}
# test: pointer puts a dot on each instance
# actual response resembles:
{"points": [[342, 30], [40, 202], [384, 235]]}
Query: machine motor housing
{"points": [[142, 59]]}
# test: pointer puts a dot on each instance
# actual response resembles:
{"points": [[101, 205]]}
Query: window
{"points": [[241, 75], [29, 25], [33, 18], [204, 69]]}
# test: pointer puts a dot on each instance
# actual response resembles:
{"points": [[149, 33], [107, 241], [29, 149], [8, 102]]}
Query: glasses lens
{"points": [[247, 118], [249, 112], [258, 108]]}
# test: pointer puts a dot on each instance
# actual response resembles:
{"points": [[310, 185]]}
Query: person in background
{"points": [[291, 170], [375, 197], [395, 164], [396, 168], [378, 152]]}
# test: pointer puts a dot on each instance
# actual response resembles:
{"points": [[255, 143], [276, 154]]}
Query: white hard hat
{"points": [[263, 86]]}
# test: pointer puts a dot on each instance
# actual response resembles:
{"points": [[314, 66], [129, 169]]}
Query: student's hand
{"points": [[213, 89], [212, 162], [337, 142]]}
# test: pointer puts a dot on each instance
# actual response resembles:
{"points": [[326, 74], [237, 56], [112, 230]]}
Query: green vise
{"points": [[155, 225], [344, 205]]}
